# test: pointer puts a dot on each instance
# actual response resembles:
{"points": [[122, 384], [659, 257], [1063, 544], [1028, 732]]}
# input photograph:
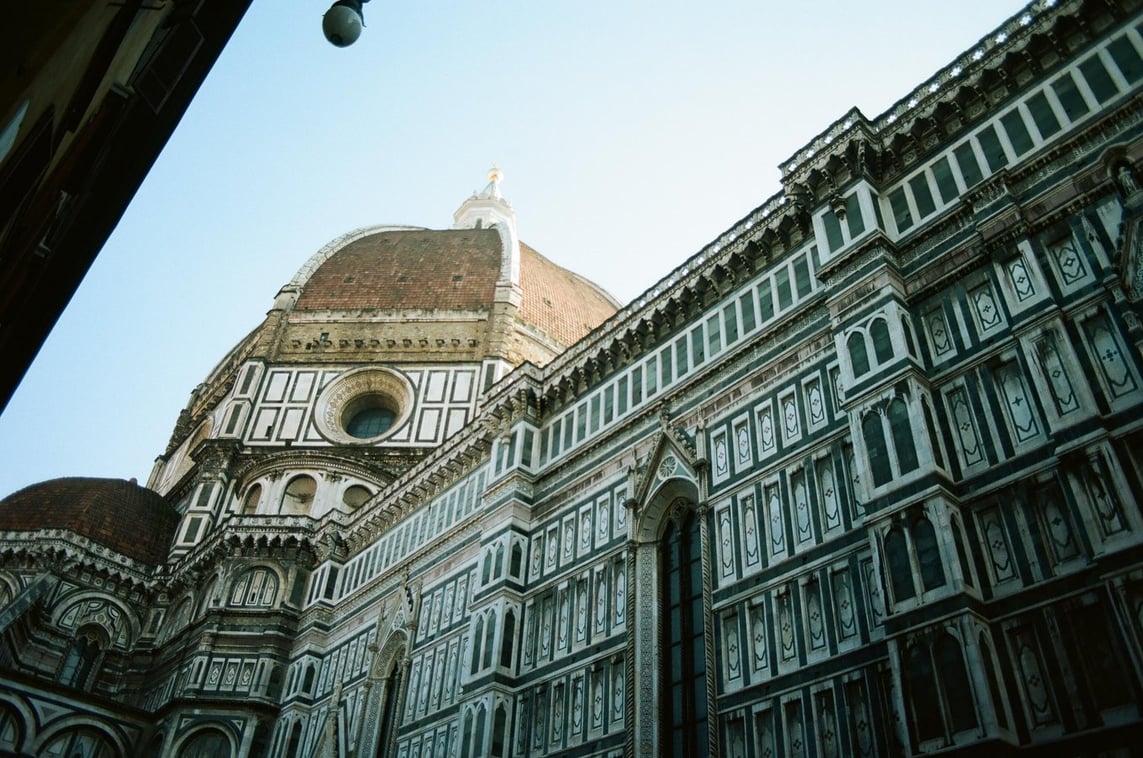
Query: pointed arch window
{"points": [[940, 693], [882, 344], [477, 641], [499, 729], [389, 708], [961, 552], [928, 554], [294, 745], [490, 637], [683, 706], [954, 676], [901, 426], [900, 570], [506, 643], [858, 356], [922, 683], [993, 682], [876, 448], [910, 343]]}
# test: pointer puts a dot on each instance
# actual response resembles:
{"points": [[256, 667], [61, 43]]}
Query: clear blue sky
{"points": [[630, 133]]}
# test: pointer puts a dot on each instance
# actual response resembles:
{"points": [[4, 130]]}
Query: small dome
{"points": [[131, 520]]}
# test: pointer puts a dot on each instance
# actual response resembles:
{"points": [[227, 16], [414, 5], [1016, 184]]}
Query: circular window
{"points": [[364, 406], [369, 416]]}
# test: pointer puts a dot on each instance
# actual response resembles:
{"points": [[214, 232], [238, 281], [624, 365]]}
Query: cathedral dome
{"points": [[131, 520], [389, 270]]}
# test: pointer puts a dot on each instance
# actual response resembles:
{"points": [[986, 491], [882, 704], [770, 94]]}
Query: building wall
{"points": [[860, 478]]}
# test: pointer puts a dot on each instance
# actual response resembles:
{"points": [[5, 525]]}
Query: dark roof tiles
{"points": [[131, 520]]}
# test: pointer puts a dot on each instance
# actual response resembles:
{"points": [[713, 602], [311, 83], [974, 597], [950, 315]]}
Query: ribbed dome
{"points": [[449, 270], [120, 515], [392, 270]]}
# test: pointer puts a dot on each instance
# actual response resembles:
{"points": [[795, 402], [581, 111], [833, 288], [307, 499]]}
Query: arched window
{"points": [[508, 640], [875, 447], [683, 708], [954, 677], [294, 746], [178, 619], [516, 559], [466, 736], [499, 726], [255, 588], [961, 553], [858, 357], [355, 496], [486, 574], [993, 682], [82, 657], [481, 725], [498, 562], [928, 554], [882, 344], [299, 495], [250, 502], [910, 344], [490, 632], [390, 709], [923, 692], [477, 641], [308, 679], [900, 571], [209, 743], [931, 428], [83, 741], [901, 427]]}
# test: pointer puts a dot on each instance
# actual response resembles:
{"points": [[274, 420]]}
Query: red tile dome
{"points": [[131, 520]]}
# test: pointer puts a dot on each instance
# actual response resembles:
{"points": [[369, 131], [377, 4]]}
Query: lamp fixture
{"points": [[342, 23]]}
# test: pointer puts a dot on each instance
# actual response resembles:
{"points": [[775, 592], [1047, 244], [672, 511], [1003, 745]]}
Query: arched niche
{"points": [[388, 681], [673, 504]]}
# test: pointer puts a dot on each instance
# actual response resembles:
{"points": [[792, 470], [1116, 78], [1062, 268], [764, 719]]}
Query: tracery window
{"points": [[256, 588], [683, 712], [880, 424]]}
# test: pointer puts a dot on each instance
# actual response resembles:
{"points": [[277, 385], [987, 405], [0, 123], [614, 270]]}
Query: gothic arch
{"points": [[388, 680], [117, 621], [668, 507]]}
